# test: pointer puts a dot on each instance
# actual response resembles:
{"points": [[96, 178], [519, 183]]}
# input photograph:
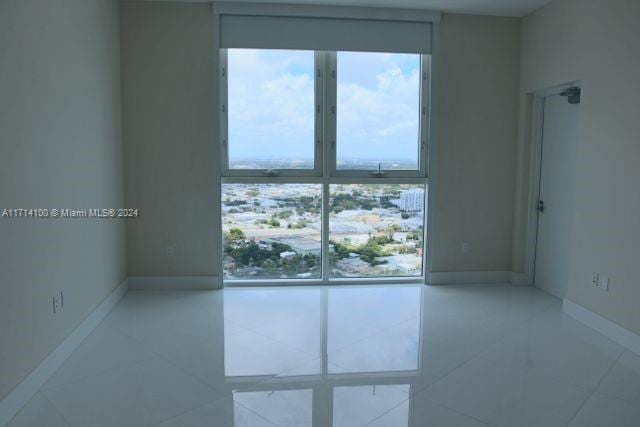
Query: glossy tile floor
{"points": [[343, 356]]}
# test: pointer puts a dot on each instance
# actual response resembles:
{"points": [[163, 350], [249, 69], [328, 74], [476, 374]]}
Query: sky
{"points": [[271, 105]]}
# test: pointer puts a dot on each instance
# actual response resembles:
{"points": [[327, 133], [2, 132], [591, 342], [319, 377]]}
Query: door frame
{"points": [[536, 136]]}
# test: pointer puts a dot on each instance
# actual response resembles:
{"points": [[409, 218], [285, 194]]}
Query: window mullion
{"points": [[425, 114], [328, 132], [224, 111], [319, 112], [330, 111]]}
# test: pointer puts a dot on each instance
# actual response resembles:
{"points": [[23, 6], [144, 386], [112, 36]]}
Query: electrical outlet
{"points": [[169, 251], [603, 283], [594, 280], [466, 247], [58, 302]]}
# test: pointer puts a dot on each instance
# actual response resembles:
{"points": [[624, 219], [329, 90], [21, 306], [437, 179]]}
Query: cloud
{"points": [[271, 104], [271, 108], [380, 119]]}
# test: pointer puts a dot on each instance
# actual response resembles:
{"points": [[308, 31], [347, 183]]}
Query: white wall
{"points": [[60, 147], [169, 155], [477, 104], [598, 43]]}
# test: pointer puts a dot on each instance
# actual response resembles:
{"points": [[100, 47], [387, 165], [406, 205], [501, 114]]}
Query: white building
{"points": [[287, 255], [411, 200]]}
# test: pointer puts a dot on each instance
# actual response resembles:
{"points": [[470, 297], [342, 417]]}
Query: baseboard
{"points": [[606, 327], [468, 277], [24, 391], [174, 282], [519, 279]]}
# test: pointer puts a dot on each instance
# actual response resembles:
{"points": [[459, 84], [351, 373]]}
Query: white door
{"points": [[560, 139]]}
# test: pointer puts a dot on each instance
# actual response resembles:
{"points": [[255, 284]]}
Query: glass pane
{"points": [[378, 110], [376, 230], [271, 231], [271, 109]]}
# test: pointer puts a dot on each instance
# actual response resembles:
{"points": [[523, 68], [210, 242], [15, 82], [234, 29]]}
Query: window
{"points": [[376, 230], [324, 164], [378, 111], [271, 231], [271, 109]]}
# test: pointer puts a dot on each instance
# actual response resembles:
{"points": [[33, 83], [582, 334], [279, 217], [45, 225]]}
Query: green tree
{"points": [[234, 235]]}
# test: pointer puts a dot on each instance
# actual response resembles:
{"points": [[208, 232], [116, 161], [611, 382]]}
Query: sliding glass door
{"points": [[324, 165]]}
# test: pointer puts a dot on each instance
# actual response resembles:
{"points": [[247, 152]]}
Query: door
{"points": [[560, 138]]}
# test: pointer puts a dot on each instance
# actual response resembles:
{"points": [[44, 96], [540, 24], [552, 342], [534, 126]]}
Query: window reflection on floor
{"points": [[348, 353], [359, 320], [270, 331], [284, 407], [358, 405], [279, 331]]}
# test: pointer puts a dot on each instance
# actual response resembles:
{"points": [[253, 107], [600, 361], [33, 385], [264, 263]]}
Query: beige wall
{"points": [[60, 146], [598, 43], [169, 156], [477, 103], [169, 142]]}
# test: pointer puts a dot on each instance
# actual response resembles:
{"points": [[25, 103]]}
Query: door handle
{"points": [[540, 207]]}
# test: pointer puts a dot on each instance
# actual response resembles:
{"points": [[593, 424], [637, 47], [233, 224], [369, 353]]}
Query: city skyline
{"points": [[275, 230]]}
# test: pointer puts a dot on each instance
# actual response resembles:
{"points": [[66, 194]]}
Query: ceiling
{"points": [[481, 7]]}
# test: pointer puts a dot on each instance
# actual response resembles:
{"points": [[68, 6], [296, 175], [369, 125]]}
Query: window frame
{"points": [[325, 271], [318, 67], [325, 126], [325, 170], [423, 127]]}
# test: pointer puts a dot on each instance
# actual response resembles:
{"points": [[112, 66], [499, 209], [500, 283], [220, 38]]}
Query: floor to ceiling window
{"points": [[324, 164]]}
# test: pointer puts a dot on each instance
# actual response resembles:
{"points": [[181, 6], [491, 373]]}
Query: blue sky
{"points": [[271, 107]]}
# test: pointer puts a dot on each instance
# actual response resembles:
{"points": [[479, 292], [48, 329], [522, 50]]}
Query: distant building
{"points": [[410, 264], [411, 200], [287, 255], [413, 223], [400, 236], [347, 227], [301, 245], [353, 265]]}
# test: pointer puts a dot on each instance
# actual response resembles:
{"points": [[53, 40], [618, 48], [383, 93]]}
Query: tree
{"points": [[284, 214], [370, 251], [234, 235]]}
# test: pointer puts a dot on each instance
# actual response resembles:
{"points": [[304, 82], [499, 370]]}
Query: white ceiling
{"points": [[481, 7]]}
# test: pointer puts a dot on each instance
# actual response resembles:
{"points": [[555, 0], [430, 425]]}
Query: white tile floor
{"points": [[343, 356]]}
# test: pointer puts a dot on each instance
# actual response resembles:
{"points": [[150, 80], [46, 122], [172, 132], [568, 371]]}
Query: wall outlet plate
{"points": [[58, 302], [466, 247], [594, 280], [169, 251], [603, 283]]}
